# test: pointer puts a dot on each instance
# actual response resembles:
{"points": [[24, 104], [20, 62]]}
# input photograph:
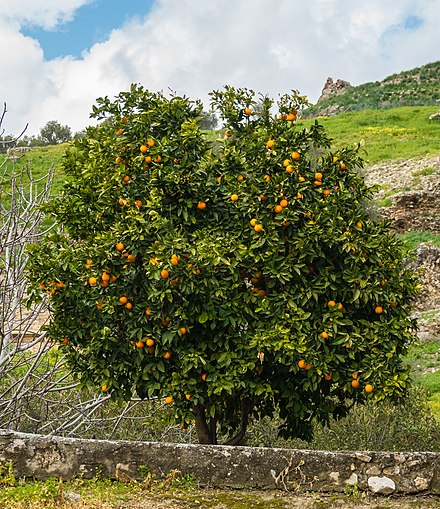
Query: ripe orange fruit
{"points": [[164, 273], [174, 260], [104, 388], [289, 169], [148, 159], [228, 134], [258, 227], [324, 335], [368, 388], [105, 276], [124, 120], [318, 176], [340, 307], [150, 143], [240, 178], [99, 306], [119, 132], [393, 304], [166, 355], [89, 262], [143, 149], [129, 305], [283, 203], [355, 375], [301, 363], [331, 303], [359, 224], [343, 166], [299, 196], [307, 366], [262, 197], [295, 155], [140, 344], [204, 377], [131, 258], [355, 383], [267, 178], [174, 281], [157, 159], [121, 201], [42, 286], [150, 342], [247, 112], [335, 159], [326, 192], [126, 179], [92, 281], [270, 144], [148, 312], [286, 163], [253, 222], [382, 283], [278, 209], [327, 377], [301, 178], [138, 203], [118, 160], [290, 117], [318, 183], [378, 310], [182, 330], [188, 396], [234, 197], [261, 293], [169, 400], [64, 341], [201, 205], [123, 299]]}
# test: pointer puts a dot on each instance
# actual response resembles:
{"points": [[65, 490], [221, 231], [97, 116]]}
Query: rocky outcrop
{"points": [[333, 88], [42, 457]]}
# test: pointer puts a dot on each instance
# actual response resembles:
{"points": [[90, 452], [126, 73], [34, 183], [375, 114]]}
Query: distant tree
{"points": [[208, 120], [54, 133]]}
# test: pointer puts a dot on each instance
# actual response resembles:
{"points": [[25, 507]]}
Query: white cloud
{"points": [[194, 47]]}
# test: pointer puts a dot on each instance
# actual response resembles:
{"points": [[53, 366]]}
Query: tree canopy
{"points": [[230, 281]]}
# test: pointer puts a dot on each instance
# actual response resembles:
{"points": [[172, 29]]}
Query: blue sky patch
{"points": [[92, 24]]}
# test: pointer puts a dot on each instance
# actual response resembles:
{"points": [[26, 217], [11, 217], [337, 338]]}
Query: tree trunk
{"points": [[246, 407], [206, 434]]}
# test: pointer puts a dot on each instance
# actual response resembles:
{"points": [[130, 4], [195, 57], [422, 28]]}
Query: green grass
{"points": [[413, 239], [400, 133]]}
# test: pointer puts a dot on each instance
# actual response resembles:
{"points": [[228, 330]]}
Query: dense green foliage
{"points": [[416, 87]]}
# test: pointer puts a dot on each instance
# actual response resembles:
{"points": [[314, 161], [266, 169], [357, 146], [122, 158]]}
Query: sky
{"points": [[57, 57]]}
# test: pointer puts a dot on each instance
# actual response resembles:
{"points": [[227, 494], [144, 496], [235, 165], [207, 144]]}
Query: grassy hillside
{"points": [[416, 87]]}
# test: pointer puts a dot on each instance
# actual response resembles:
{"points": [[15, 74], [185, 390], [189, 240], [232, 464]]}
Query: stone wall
{"points": [[42, 457]]}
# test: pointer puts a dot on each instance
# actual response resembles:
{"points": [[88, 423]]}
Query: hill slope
{"points": [[416, 87]]}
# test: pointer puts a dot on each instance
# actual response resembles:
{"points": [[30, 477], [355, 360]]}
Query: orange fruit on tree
{"points": [[126, 179], [354, 375], [318, 176], [262, 197], [143, 149], [169, 400], [140, 344], [92, 281], [324, 335], [267, 178], [89, 262], [167, 355], [289, 169], [204, 377], [368, 388], [326, 192], [228, 134], [234, 197], [138, 203], [290, 117], [278, 209], [335, 159], [119, 132], [253, 222], [331, 303], [99, 306], [247, 112], [123, 299], [261, 293], [157, 159], [378, 310], [187, 397], [283, 203], [164, 273], [327, 377], [301, 363], [359, 224], [124, 120], [121, 201], [150, 342], [129, 305], [240, 178], [299, 196], [307, 366], [148, 159], [148, 312], [258, 227], [118, 160], [150, 143], [105, 276], [270, 144], [182, 330], [64, 341], [295, 155], [318, 183], [301, 178], [393, 304], [343, 166], [355, 383], [201, 205], [286, 163], [104, 388]]}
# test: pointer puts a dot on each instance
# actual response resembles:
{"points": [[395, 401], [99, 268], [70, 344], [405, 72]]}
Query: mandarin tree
{"points": [[229, 283]]}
